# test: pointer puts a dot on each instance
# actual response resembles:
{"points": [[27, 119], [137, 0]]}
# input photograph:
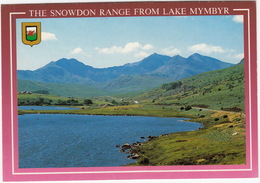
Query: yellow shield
{"points": [[31, 33]]}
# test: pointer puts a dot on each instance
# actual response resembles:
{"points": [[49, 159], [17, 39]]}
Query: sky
{"points": [[114, 41]]}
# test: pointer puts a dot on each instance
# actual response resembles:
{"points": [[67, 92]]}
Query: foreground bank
{"points": [[220, 142]]}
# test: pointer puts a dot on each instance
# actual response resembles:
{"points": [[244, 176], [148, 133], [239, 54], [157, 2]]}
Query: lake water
{"points": [[64, 140]]}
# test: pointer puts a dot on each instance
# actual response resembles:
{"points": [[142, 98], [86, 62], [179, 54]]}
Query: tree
{"points": [[188, 108], [88, 102], [114, 102]]}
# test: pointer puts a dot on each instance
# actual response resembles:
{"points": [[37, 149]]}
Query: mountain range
{"points": [[150, 72]]}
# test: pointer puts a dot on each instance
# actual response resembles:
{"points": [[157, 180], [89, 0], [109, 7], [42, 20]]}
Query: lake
{"points": [[67, 140]]}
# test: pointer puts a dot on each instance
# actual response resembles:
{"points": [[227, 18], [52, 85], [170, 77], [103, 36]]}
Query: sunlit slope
{"points": [[221, 90]]}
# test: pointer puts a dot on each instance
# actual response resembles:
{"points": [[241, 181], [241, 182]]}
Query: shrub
{"points": [[188, 108], [143, 160], [88, 102], [225, 116], [201, 105], [234, 109]]}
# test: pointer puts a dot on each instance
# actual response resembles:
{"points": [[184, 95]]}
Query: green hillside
{"points": [[65, 90], [221, 90], [135, 83]]}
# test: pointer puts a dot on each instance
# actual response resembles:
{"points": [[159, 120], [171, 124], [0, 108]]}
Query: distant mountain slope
{"points": [[150, 72], [220, 89], [65, 90], [128, 83], [62, 71]]}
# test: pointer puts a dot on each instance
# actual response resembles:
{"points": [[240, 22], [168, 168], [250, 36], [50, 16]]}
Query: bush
{"points": [[225, 116], [143, 160], [188, 108], [201, 105], [233, 109], [114, 102], [88, 102]]}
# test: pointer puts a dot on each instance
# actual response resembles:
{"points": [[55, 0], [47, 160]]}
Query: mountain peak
{"points": [[66, 60], [155, 55], [62, 59], [202, 58], [71, 63], [178, 57], [196, 55]]}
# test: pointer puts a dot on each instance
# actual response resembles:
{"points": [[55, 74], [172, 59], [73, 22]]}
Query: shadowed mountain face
{"points": [[148, 73]]}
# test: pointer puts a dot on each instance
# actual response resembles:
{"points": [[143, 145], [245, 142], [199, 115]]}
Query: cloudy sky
{"points": [[106, 42]]}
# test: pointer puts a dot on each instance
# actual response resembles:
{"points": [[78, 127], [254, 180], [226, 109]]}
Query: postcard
{"points": [[129, 90]]}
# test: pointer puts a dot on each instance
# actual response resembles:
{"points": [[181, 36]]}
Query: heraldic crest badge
{"points": [[31, 33]]}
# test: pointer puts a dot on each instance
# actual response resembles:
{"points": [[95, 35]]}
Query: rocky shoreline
{"points": [[134, 148]]}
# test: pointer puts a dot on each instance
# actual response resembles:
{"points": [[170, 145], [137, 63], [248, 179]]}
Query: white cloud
{"points": [[171, 51], [107, 50], [206, 48], [141, 54], [46, 36], [147, 47], [129, 47], [235, 57], [77, 51], [238, 18], [239, 56]]}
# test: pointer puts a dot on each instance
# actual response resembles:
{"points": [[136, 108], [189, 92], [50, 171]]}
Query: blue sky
{"points": [[105, 42]]}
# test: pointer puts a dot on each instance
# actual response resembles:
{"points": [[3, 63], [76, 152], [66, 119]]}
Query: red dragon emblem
{"points": [[30, 33]]}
